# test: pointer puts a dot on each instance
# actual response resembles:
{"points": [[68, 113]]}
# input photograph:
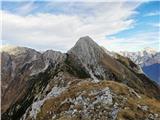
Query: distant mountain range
{"points": [[149, 60], [85, 83]]}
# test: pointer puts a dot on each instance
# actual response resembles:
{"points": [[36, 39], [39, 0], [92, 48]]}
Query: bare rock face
{"points": [[20, 66], [97, 63], [93, 61], [88, 54], [53, 56], [84, 83], [16, 67]]}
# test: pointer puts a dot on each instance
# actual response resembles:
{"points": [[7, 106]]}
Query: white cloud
{"points": [[137, 42], [153, 13], [25, 8], [60, 32], [156, 24]]}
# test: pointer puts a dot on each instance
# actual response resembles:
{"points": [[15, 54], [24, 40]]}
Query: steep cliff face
{"points": [[85, 80]]}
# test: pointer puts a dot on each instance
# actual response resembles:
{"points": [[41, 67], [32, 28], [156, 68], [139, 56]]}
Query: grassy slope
{"points": [[128, 111]]}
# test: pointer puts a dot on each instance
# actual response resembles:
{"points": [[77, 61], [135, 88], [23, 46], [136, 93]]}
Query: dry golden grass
{"points": [[126, 114], [54, 104], [136, 113]]}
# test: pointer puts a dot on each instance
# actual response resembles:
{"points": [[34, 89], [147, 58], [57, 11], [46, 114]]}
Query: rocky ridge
{"points": [[84, 83]]}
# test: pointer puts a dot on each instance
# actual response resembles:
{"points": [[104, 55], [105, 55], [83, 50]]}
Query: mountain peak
{"points": [[150, 50], [85, 45], [75, 82], [85, 40], [87, 53], [13, 50]]}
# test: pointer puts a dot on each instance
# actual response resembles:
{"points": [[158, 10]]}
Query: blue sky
{"points": [[118, 26], [145, 21]]}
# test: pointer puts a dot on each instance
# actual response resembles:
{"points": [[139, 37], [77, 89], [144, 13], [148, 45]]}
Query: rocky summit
{"points": [[86, 83]]}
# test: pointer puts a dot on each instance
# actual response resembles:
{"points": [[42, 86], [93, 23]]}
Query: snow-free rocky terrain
{"points": [[85, 83]]}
